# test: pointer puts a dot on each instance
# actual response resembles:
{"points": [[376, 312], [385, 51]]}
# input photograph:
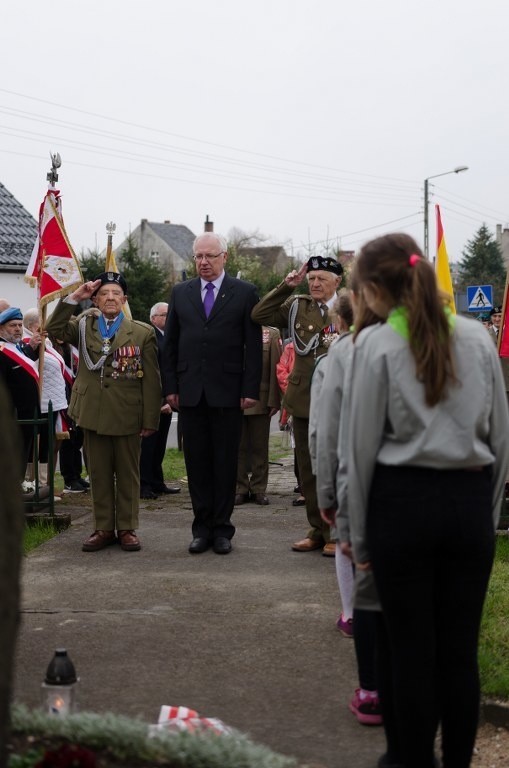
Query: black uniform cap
{"points": [[111, 277], [324, 263]]}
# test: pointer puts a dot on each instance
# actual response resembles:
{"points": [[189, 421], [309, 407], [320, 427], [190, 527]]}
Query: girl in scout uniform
{"points": [[428, 451]]}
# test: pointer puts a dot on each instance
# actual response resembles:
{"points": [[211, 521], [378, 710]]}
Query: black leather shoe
{"points": [[166, 489], [241, 498], [146, 493], [199, 545], [260, 498], [222, 546]]}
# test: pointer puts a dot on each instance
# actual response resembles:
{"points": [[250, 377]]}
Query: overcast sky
{"points": [[308, 121]]}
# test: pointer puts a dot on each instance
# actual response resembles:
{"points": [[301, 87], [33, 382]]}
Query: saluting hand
{"points": [[86, 290], [295, 278]]}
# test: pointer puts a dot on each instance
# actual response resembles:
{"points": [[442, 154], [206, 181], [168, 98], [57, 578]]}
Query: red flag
{"points": [[53, 265], [503, 334]]}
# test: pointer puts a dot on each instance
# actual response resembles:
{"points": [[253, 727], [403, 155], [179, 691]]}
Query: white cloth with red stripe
{"points": [[184, 719]]}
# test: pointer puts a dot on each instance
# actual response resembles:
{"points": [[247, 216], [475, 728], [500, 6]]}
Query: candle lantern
{"points": [[59, 686]]}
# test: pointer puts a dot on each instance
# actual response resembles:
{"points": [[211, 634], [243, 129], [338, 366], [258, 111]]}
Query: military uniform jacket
{"points": [[127, 397], [270, 396], [274, 309]]}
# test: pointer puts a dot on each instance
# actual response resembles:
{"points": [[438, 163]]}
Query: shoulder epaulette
{"points": [[143, 325]]}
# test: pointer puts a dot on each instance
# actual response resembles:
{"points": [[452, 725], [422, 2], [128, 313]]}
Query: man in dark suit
{"points": [[212, 367], [153, 447]]}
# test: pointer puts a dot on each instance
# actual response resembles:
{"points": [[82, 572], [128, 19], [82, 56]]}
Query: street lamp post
{"points": [[426, 203]]}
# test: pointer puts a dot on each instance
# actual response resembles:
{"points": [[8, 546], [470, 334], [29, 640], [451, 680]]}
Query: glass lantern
{"points": [[59, 686]]}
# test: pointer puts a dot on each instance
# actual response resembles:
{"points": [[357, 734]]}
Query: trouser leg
{"points": [[243, 459], [127, 475], [100, 454], [431, 544], [259, 433], [319, 530], [211, 439]]}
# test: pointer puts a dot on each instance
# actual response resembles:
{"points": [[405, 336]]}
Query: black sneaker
{"points": [[74, 487], [84, 483]]}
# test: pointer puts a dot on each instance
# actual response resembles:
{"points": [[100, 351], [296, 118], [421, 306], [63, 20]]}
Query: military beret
{"points": [[324, 263], [111, 277], [496, 311], [11, 313]]}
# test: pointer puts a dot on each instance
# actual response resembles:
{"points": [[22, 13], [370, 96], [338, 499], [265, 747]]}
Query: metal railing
{"points": [[47, 500]]}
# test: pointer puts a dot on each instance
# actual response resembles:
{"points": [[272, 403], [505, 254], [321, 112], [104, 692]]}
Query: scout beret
{"points": [[324, 263], [496, 311], [12, 313], [111, 277]]}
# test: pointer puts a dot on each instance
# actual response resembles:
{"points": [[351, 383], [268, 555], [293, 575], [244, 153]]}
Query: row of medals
{"points": [[124, 365]]}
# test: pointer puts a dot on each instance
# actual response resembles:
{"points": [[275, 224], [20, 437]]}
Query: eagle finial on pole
{"points": [[56, 162]]}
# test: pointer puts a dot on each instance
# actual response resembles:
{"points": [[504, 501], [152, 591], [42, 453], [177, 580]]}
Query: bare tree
{"points": [[11, 524], [238, 239]]}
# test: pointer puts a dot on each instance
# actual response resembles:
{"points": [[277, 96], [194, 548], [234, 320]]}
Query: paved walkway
{"points": [[248, 638]]}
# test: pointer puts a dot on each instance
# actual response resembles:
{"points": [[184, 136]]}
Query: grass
{"points": [[174, 468], [36, 534], [494, 641]]}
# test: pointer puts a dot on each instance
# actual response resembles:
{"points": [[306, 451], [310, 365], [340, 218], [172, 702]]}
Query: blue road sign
{"points": [[480, 298]]}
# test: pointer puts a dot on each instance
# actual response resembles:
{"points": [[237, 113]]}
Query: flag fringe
{"points": [[59, 294]]}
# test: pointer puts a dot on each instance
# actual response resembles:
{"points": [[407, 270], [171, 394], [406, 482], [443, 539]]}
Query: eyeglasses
{"points": [[160, 314], [208, 256]]}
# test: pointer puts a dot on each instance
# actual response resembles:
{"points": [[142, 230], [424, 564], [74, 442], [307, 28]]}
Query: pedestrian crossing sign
{"points": [[480, 298]]}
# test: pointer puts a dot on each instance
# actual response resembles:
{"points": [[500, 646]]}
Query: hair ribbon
{"points": [[414, 258]]}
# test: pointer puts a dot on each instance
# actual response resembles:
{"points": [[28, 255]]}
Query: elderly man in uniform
{"points": [[306, 318], [115, 399]]}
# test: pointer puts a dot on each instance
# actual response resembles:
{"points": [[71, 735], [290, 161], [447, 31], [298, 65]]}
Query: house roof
{"points": [[177, 236], [18, 230], [267, 254]]}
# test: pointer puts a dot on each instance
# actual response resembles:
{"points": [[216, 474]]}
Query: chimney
{"points": [[208, 226], [167, 221]]}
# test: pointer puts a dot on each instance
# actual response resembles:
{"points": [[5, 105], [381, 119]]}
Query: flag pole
{"points": [[51, 178], [110, 264], [110, 231]]}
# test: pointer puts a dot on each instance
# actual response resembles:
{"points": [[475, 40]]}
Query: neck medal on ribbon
{"points": [[108, 333]]}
